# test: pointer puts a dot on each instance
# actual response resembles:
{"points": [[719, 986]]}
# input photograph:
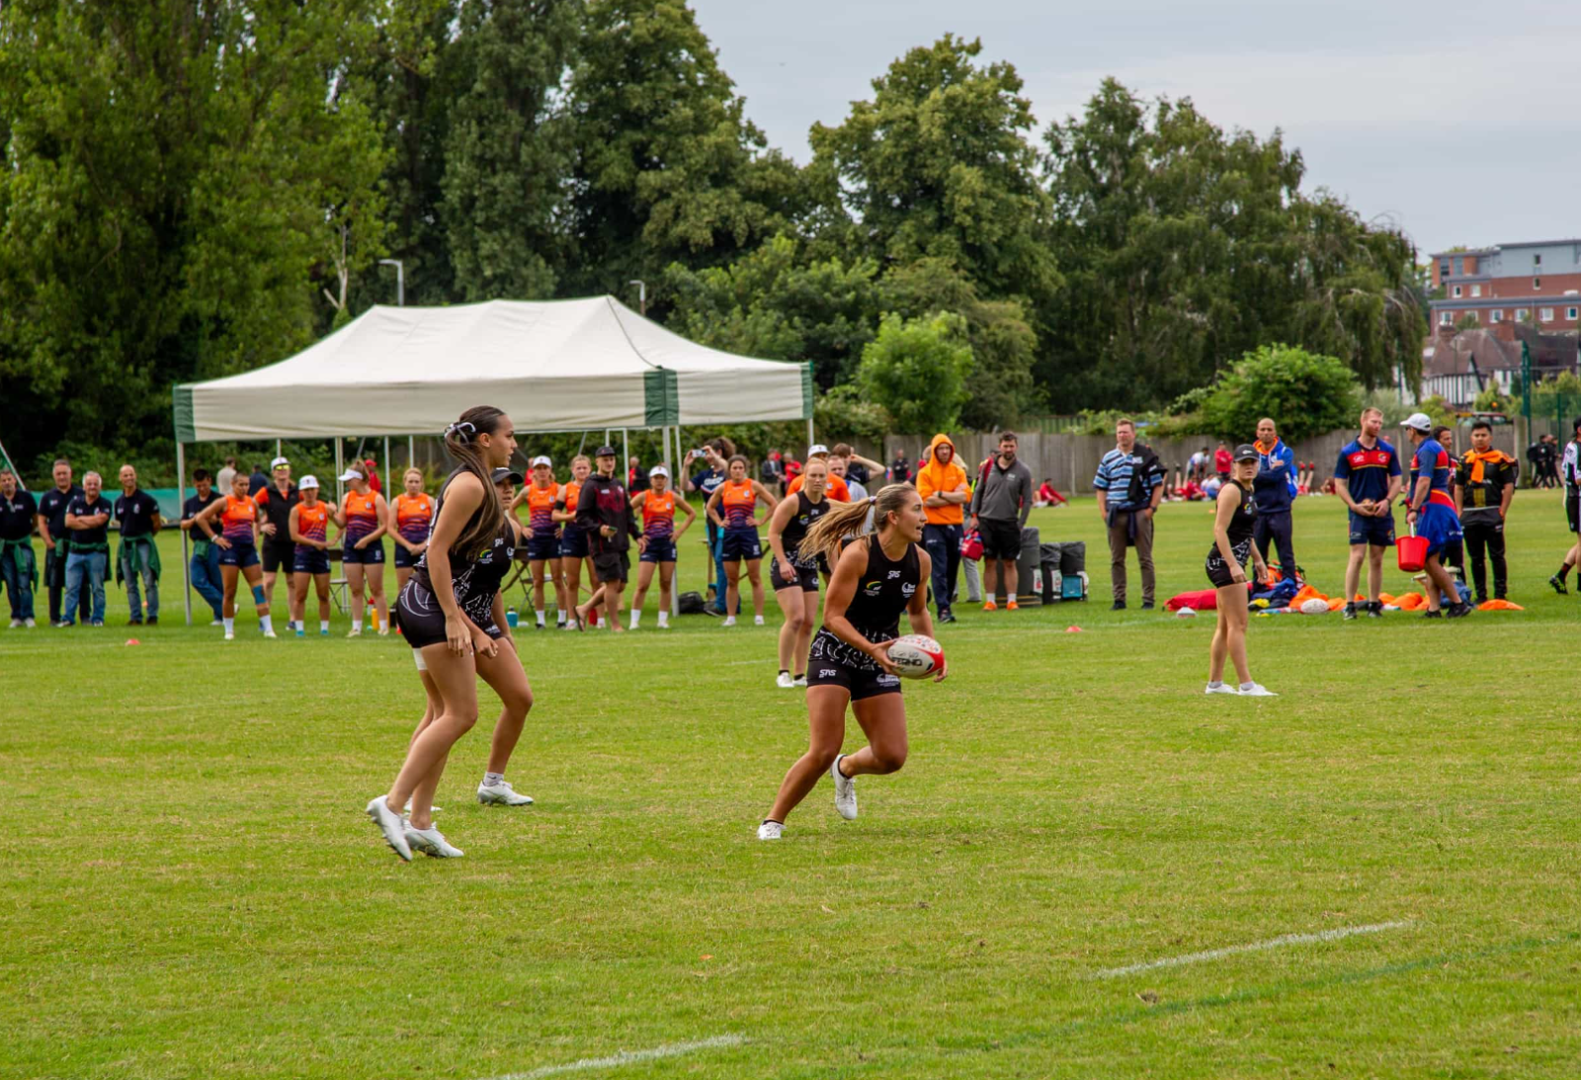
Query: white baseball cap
{"points": [[542, 459], [279, 461], [659, 470], [817, 448], [1420, 421], [352, 473], [308, 481]]}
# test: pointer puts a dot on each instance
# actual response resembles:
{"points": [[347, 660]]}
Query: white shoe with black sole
{"points": [[432, 842], [502, 794], [771, 830], [844, 790]]}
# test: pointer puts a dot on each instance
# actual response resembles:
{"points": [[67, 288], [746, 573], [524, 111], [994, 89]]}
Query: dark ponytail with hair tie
{"points": [[461, 444]]}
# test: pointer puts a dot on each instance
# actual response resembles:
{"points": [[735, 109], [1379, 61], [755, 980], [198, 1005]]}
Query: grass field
{"points": [[190, 888]]}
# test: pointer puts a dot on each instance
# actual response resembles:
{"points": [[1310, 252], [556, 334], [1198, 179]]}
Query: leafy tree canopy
{"points": [[916, 369]]}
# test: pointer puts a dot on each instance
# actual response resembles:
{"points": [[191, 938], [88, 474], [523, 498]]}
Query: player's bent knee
{"points": [[889, 760], [823, 756]]}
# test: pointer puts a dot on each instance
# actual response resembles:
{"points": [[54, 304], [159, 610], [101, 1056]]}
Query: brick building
{"points": [[1537, 283]]}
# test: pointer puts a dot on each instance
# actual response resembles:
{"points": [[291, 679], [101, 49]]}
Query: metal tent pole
{"points": [[810, 439], [181, 503], [675, 476], [340, 469], [625, 450], [387, 481], [411, 451]]}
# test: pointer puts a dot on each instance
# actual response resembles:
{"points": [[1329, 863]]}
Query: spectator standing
{"points": [[999, 512], [226, 477], [204, 567], [1274, 493], [18, 569], [1551, 455], [1222, 461], [942, 485], [370, 469], [1367, 480], [772, 472], [276, 501], [257, 481], [900, 469], [707, 482], [137, 516], [1482, 499], [52, 529], [88, 548], [604, 513], [836, 489], [857, 467], [636, 478], [1130, 485]]}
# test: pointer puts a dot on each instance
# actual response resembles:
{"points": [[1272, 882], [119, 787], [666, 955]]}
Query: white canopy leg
{"points": [[181, 503]]}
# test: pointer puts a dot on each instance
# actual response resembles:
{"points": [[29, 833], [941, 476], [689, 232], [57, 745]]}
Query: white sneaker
{"points": [[730, 620], [844, 790], [16, 624], [568, 626], [269, 634], [384, 631], [406, 811], [771, 830], [664, 624], [800, 680], [355, 633], [503, 794], [216, 622], [1222, 688], [757, 620], [230, 635], [29, 623], [784, 681], [391, 825], [1258, 690], [431, 842]]}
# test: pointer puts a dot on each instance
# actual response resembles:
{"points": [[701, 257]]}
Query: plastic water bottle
{"points": [[510, 618]]}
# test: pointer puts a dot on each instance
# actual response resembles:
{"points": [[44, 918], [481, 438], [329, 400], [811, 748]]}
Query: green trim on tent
{"points": [[661, 397], [808, 391], [181, 400]]}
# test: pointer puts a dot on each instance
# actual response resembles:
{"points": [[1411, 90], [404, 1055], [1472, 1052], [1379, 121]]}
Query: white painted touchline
{"points": [[1256, 946], [626, 1057]]}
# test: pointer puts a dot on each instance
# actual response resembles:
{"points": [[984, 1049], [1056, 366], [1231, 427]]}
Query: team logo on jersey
{"points": [[907, 590], [888, 680], [893, 574], [873, 588], [827, 673]]}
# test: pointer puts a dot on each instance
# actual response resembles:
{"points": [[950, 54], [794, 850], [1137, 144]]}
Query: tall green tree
{"points": [[917, 370], [507, 150], [179, 183], [938, 165], [1184, 247], [667, 168]]}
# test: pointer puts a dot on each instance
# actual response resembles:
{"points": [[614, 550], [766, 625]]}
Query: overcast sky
{"points": [[1460, 121]]}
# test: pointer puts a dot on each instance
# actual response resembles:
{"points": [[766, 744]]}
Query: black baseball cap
{"points": [[503, 473], [1246, 452], [604, 451]]}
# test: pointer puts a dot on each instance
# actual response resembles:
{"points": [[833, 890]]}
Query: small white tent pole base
{"points": [[181, 502]]}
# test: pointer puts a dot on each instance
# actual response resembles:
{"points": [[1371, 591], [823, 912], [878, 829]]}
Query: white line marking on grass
{"points": [[1256, 946], [626, 1057]]}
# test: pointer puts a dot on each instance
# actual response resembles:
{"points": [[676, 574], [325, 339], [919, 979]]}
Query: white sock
{"points": [[1247, 685], [636, 617], [664, 618], [989, 596], [323, 624], [230, 625], [539, 613], [356, 624], [267, 623], [490, 779], [1214, 684], [559, 617]]}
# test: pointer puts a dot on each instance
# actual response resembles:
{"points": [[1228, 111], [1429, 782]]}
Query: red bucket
{"points": [[1412, 553]]}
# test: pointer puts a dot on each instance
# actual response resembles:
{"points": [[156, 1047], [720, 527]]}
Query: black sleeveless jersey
{"points": [[1241, 525], [475, 581], [884, 591], [795, 530]]}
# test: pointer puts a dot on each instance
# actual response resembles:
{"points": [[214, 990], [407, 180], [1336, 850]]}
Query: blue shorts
{"points": [[1440, 525], [573, 543], [741, 544], [542, 547], [310, 561], [660, 549], [405, 560], [1377, 531], [241, 554], [372, 554]]}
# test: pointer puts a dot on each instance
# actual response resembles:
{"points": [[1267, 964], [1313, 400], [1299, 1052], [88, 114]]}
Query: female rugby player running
{"points": [[543, 543], [363, 521], [794, 576], [876, 577], [658, 506], [454, 619], [1234, 516], [308, 527], [238, 516], [733, 509]]}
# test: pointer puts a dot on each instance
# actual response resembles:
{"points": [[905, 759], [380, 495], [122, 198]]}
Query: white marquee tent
{"points": [[556, 365]]}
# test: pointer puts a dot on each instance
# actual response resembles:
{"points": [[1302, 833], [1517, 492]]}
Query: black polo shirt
{"points": [[195, 506], [256, 483], [81, 507], [16, 515], [52, 507], [134, 513]]}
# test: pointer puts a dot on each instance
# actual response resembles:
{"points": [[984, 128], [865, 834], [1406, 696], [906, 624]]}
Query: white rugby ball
{"points": [[1314, 606], [916, 656]]}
